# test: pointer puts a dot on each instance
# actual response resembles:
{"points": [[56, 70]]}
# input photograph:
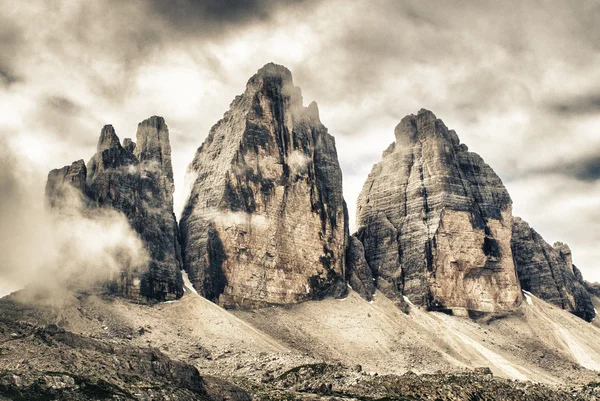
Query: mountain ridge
{"points": [[260, 292]]}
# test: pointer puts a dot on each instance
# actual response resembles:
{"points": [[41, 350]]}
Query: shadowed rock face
{"points": [[61, 196], [436, 223], [548, 271], [266, 222], [136, 180], [358, 272]]}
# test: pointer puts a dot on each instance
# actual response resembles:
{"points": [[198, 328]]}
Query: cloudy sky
{"points": [[518, 80]]}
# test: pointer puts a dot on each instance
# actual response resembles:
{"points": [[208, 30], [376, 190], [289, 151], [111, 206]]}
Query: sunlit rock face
{"points": [[436, 223], [136, 180], [266, 222], [548, 271]]}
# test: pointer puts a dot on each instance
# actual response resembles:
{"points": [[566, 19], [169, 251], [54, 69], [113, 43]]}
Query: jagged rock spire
{"points": [[266, 221], [136, 180]]}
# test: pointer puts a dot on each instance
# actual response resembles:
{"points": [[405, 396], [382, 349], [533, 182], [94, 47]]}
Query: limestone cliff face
{"points": [[436, 223], [136, 180], [548, 271], [266, 222]]}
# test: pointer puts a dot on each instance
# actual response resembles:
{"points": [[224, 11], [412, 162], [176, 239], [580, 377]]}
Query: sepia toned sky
{"points": [[518, 81]]}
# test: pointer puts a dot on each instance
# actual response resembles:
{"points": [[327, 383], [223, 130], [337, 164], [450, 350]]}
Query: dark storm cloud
{"points": [[585, 168], [11, 42], [63, 105], [580, 105], [213, 16]]}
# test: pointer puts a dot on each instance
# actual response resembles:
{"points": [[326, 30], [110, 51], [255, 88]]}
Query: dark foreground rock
{"points": [[49, 363], [136, 180], [266, 222], [335, 382]]}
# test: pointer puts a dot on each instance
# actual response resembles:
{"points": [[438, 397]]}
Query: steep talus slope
{"points": [[548, 271], [266, 222], [537, 342], [136, 180], [282, 352], [435, 222]]}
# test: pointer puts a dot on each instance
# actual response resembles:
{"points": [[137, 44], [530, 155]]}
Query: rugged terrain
{"points": [[548, 271]]}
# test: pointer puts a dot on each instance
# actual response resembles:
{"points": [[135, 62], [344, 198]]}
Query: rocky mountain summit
{"points": [[266, 221], [548, 272], [135, 179], [435, 222]]}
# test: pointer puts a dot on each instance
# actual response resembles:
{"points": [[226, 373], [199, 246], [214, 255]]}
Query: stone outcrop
{"points": [[137, 180], [266, 222], [436, 223], [548, 271]]}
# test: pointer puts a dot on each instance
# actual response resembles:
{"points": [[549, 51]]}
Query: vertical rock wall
{"points": [[266, 222], [436, 224]]}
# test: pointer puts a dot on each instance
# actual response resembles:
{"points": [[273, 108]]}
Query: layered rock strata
{"points": [[436, 223], [136, 180], [548, 271], [266, 222]]}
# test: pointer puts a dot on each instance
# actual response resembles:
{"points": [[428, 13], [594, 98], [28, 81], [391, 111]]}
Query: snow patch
{"points": [[407, 300], [528, 297], [187, 284]]}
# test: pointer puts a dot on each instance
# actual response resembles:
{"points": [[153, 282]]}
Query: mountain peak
{"points": [[154, 121], [153, 146], [422, 125], [424, 197], [274, 70], [108, 138], [266, 220]]}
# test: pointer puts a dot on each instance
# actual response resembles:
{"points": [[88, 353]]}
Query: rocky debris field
{"points": [[90, 347]]}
